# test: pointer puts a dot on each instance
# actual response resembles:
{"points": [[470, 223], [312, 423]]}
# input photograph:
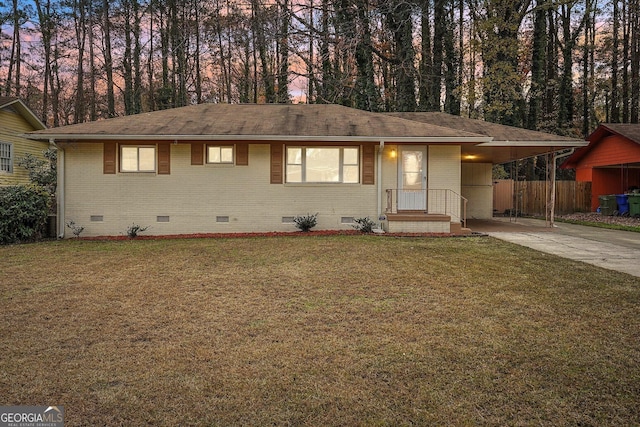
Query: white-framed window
{"points": [[323, 165], [220, 154], [6, 157], [135, 158]]}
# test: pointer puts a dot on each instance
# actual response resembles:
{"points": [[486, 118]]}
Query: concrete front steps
{"points": [[422, 222]]}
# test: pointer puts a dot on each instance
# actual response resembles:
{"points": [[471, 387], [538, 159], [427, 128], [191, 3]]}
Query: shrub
{"points": [[306, 222], [135, 229], [75, 228], [23, 213], [42, 172], [364, 225]]}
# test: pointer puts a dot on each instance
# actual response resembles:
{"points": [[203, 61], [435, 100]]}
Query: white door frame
{"points": [[412, 177]]}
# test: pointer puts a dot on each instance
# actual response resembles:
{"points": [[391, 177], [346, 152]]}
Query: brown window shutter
{"points": [[242, 154], [197, 153], [368, 164], [164, 158], [109, 157], [276, 163]]}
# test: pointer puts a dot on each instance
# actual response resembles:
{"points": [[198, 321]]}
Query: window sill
{"points": [[219, 165], [138, 173], [320, 184]]}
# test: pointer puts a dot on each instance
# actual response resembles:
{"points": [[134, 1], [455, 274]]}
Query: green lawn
{"points": [[345, 330]]}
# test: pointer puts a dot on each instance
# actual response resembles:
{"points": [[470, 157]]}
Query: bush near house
{"points": [[23, 213]]}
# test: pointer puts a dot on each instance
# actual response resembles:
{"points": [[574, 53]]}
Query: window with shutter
{"points": [[134, 158], [323, 165], [220, 154]]}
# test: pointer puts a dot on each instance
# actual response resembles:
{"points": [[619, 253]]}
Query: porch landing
{"points": [[422, 222]]}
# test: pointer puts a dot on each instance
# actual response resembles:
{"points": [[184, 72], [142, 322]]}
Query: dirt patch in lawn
{"points": [[343, 330]]}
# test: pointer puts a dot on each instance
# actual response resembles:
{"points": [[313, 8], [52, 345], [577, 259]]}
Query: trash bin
{"points": [[623, 204], [634, 205], [607, 205]]}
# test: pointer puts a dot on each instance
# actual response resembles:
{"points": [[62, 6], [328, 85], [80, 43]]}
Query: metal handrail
{"points": [[431, 201]]}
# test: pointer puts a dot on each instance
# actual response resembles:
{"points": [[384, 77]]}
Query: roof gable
{"points": [[631, 131], [626, 131], [22, 109]]}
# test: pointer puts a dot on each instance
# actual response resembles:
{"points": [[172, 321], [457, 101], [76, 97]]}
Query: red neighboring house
{"points": [[611, 161]]}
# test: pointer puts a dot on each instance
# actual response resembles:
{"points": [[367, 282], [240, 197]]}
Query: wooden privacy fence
{"points": [[529, 197]]}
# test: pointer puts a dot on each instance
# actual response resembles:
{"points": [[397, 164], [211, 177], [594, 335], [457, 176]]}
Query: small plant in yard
{"points": [[364, 225], [306, 222], [75, 228], [134, 229]]}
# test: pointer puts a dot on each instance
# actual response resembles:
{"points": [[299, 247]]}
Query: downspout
{"points": [[379, 180], [60, 189]]}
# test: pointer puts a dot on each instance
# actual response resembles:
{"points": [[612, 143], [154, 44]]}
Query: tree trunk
{"points": [[452, 98], [400, 23], [283, 49], [15, 58], [367, 96], [615, 107], [538, 60], [425, 97], [439, 30], [80, 18], [635, 60], [259, 31], [108, 60]]}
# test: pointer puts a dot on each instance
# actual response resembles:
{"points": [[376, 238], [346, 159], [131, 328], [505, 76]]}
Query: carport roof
{"points": [[508, 143]]}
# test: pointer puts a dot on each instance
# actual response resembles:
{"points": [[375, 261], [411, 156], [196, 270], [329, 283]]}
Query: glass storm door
{"points": [[412, 178]]}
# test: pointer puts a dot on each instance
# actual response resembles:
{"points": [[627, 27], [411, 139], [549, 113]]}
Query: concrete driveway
{"points": [[610, 249]]}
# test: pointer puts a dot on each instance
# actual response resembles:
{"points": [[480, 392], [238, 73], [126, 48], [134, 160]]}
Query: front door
{"points": [[412, 178]]}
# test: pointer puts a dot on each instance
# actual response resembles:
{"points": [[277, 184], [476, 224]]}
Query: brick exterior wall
{"points": [[223, 198], [196, 198]]}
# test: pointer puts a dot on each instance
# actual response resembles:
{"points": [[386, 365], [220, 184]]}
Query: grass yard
{"points": [[345, 330]]}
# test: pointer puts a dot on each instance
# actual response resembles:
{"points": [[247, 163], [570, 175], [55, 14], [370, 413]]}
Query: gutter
{"points": [[251, 138], [576, 143]]}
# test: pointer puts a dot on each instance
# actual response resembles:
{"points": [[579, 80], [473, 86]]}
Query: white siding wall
{"points": [[443, 174], [194, 196], [477, 187]]}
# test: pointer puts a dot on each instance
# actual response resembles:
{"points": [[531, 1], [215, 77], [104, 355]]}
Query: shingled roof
{"points": [[499, 133], [631, 131], [508, 143], [320, 122]]}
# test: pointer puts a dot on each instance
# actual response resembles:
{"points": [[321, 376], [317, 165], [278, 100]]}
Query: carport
{"points": [[611, 161]]}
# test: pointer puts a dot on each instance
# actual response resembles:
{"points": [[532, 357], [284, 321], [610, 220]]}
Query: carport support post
{"points": [[552, 196]]}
